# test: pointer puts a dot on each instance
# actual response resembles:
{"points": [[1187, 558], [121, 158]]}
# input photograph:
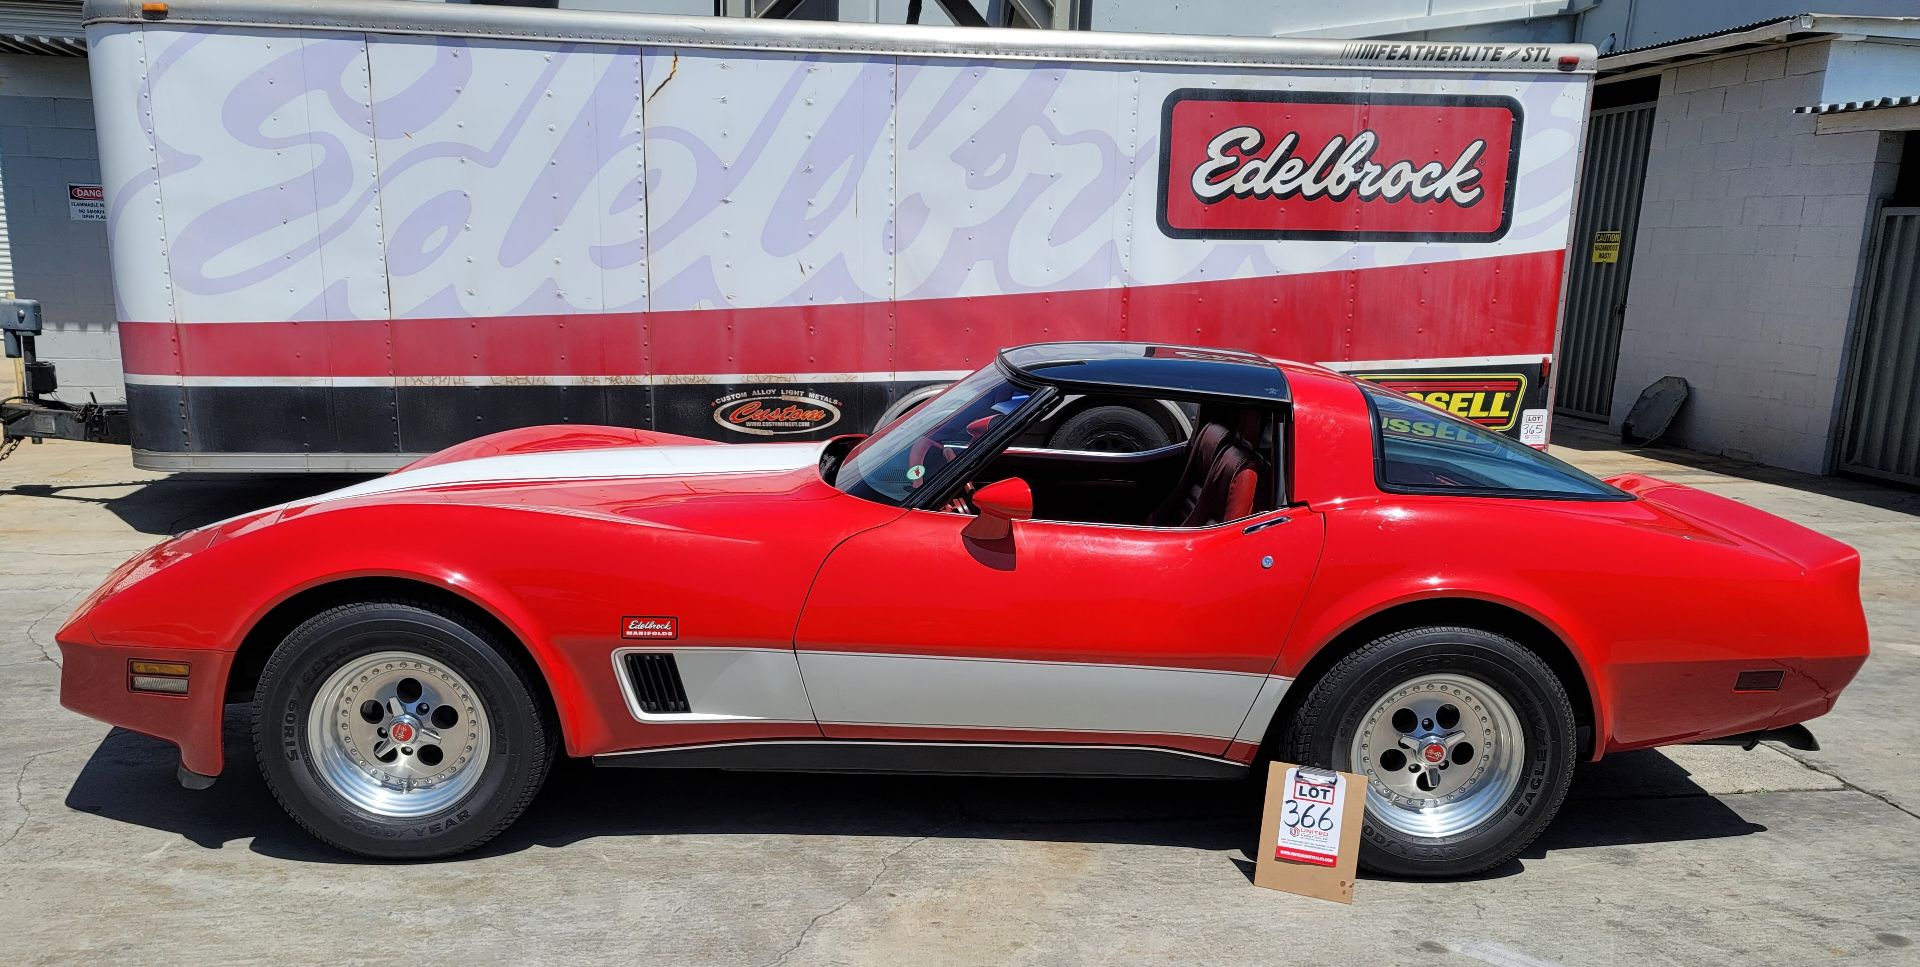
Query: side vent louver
{"points": [[656, 683]]}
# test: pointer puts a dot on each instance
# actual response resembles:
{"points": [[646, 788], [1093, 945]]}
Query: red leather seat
{"points": [[1218, 484]]}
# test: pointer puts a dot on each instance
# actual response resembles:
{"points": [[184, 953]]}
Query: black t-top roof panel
{"points": [[1147, 368]]}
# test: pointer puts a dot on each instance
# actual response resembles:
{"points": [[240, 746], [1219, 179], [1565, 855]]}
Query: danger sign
{"points": [[86, 203]]}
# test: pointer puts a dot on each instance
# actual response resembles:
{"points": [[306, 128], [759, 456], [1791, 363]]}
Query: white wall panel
{"points": [[512, 177], [129, 169], [269, 190], [772, 178]]}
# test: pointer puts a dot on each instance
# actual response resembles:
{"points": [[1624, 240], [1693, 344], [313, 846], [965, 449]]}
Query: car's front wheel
{"points": [[399, 730], [1466, 738]]}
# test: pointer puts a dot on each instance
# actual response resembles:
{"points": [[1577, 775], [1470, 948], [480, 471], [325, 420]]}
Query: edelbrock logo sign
{"points": [[1312, 165]]}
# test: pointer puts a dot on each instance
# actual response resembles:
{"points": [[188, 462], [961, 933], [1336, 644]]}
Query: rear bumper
{"points": [[94, 682], [1672, 702]]}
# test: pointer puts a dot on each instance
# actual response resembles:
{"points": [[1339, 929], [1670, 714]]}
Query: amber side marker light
{"points": [[165, 677], [153, 11]]}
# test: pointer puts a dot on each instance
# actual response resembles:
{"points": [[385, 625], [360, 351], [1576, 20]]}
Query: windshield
{"points": [[1425, 450], [889, 466]]}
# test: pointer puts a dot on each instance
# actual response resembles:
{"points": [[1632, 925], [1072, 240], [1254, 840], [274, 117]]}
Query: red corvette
{"points": [[1319, 570]]}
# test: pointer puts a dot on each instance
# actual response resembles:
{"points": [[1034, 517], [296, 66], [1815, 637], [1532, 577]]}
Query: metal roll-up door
{"points": [[6, 250], [1611, 180], [1881, 434]]}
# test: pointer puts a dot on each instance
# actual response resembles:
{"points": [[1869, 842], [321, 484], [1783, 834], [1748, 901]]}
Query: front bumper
{"points": [[94, 681]]}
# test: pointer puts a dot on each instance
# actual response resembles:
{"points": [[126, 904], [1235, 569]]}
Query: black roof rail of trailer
{"points": [[985, 43]]}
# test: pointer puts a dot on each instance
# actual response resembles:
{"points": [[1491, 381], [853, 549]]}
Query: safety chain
{"points": [[10, 443]]}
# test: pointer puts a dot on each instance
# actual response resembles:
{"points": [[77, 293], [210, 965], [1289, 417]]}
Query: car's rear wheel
{"points": [[1466, 739], [399, 730]]}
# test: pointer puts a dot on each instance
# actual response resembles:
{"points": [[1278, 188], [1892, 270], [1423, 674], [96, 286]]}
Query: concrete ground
{"points": [[1692, 855]]}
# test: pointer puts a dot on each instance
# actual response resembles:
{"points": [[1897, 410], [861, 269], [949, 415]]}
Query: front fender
{"points": [[207, 597]]}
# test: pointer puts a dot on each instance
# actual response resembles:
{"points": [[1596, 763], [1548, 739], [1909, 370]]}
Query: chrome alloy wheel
{"points": [[398, 734], [1441, 753]]}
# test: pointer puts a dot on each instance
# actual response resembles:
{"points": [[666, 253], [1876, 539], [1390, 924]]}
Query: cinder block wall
{"points": [[46, 143], [1752, 235]]}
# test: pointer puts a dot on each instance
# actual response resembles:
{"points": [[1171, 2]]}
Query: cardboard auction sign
{"points": [[1310, 832]]}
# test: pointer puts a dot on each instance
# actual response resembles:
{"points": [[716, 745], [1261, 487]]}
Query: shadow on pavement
{"points": [[170, 505], [1584, 437], [130, 779]]}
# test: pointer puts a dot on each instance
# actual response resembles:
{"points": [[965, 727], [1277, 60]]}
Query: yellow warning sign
{"points": [[1606, 246]]}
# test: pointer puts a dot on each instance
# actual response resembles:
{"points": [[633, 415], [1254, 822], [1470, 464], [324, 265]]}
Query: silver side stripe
{"points": [[727, 685], [920, 691], [1265, 706], [915, 690]]}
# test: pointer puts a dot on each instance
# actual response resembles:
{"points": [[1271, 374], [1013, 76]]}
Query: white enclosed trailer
{"points": [[346, 233]]}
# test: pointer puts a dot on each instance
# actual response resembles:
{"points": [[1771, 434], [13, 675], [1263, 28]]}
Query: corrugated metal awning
{"points": [[1850, 107], [42, 27], [1765, 33]]}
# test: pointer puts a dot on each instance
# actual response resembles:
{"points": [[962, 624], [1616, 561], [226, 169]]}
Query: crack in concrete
{"points": [[885, 862], [44, 653], [20, 786], [1848, 783]]}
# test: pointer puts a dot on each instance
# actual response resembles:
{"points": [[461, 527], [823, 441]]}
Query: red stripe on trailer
{"points": [[1470, 307]]}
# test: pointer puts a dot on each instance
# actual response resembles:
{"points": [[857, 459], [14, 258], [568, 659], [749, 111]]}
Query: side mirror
{"points": [[1000, 504], [1009, 499]]}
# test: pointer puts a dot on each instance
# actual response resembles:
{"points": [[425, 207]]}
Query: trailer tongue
{"points": [[33, 415]]}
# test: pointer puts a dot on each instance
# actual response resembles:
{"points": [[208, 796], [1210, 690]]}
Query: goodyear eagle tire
{"points": [[400, 730], [1466, 739]]}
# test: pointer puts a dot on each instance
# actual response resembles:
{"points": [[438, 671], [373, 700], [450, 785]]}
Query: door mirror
{"points": [[1000, 504], [1009, 500]]}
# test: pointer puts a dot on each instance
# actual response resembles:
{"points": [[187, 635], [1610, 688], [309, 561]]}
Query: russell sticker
{"points": [[1297, 164], [1490, 400], [769, 412]]}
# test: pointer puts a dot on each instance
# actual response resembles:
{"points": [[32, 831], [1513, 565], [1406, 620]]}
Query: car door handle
{"points": [[1263, 525]]}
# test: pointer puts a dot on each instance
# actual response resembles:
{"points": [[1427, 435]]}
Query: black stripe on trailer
{"points": [[170, 419]]}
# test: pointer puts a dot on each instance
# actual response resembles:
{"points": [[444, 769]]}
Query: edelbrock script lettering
{"points": [[1234, 166]]}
